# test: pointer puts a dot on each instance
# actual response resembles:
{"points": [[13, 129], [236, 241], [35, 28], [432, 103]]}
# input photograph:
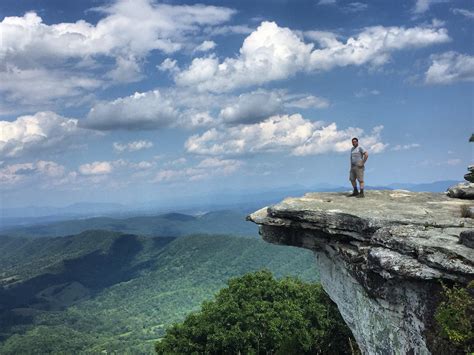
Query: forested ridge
{"points": [[113, 291]]}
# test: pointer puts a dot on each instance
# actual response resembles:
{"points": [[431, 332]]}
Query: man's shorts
{"points": [[357, 172]]}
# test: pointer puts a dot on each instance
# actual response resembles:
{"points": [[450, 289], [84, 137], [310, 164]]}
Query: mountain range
{"points": [[109, 291]]}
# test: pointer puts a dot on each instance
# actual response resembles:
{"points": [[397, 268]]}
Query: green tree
{"points": [[257, 314]]}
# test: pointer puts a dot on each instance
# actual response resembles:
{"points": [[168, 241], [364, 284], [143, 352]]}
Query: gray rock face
{"points": [[380, 258], [464, 190], [467, 238], [470, 175]]}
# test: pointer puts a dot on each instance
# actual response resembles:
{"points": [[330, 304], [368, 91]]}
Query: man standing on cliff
{"points": [[358, 158]]}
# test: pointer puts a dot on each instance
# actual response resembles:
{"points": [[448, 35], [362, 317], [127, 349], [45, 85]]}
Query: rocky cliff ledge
{"points": [[381, 258]]}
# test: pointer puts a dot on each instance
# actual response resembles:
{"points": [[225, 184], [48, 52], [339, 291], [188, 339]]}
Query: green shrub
{"points": [[455, 316]]}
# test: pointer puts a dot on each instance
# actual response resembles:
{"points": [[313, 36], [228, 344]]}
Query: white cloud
{"points": [[205, 46], [307, 101], [290, 133], [51, 175], [161, 27], [373, 46], [399, 147], [49, 171], [41, 131], [132, 146], [252, 107], [273, 53], [15, 173], [40, 86], [96, 168], [184, 108], [156, 109], [464, 12], [168, 65], [127, 70], [422, 6], [326, 2], [149, 110], [193, 118], [450, 67], [43, 52], [205, 169], [269, 53]]}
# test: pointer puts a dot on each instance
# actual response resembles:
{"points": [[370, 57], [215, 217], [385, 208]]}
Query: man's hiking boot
{"points": [[354, 193], [361, 194]]}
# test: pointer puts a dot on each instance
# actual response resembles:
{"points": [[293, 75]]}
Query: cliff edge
{"points": [[381, 258]]}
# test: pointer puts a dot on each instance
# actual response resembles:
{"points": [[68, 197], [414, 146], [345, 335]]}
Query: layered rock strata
{"points": [[381, 259]]}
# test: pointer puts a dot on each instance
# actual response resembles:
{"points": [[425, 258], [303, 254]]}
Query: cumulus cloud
{"points": [[127, 70], [96, 168], [273, 53], [52, 175], [281, 133], [140, 111], [185, 109], [193, 118], [269, 53], [36, 49], [39, 86], [373, 46], [450, 67], [252, 107], [155, 109], [49, 172], [33, 133], [168, 65], [205, 46], [162, 27], [464, 12], [205, 169]]}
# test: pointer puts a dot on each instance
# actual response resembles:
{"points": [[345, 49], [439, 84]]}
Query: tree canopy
{"points": [[256, 314]]}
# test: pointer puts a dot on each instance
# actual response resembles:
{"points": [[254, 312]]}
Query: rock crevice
{"points": [[380, 258]]}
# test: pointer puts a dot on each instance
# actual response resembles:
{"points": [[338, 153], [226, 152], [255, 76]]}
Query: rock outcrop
{"points": [[380, 258], [470, 175], [464, 190]]}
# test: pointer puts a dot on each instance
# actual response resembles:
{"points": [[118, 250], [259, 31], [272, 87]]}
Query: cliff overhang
{"points": [[381, 258]]}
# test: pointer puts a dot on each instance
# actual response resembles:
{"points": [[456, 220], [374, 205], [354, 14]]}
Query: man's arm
{"points": [[366, 156]]}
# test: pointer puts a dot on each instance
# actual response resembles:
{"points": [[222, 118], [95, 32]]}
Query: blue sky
{"points": [[131, 101]]}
